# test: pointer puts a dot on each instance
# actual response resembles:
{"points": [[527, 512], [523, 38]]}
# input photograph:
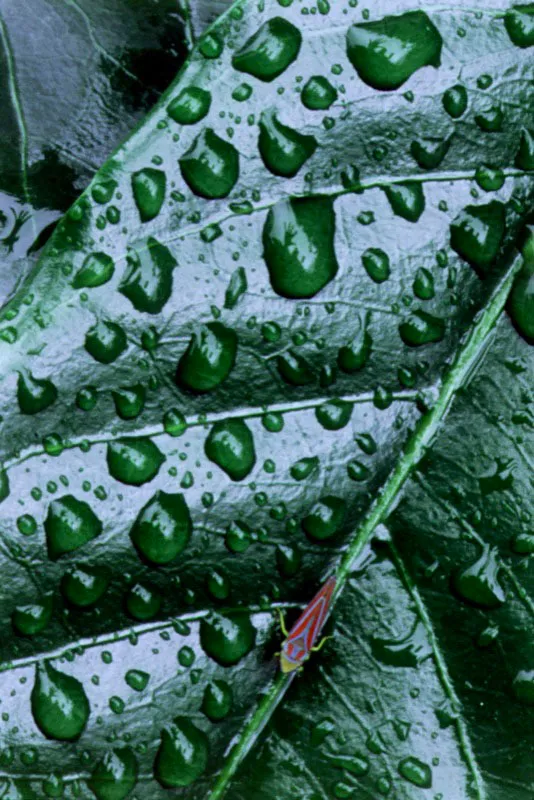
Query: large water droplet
{"points": [[97, 268], [408, 651], [217, 700], [283, 150], [183, 753], [69, 524], [162, 528], [230, 445], [519, 24], [354, 356], [270, 51], [83, 585], [294, 368], [318, 94], [211, 165], [406, 200], [524, 158], [325, 518], [479, 583], [105, 341], [477, 234], [191, 105], [387, 52], [421, 328], [134, 460], [416, 772], [521, 301], [429, 152], [334, 414], [59, 704], [115, 775], [298, 242], [148, 187], [34, 394], [209, 358], [147, 282], [33, 618], [227, 639]]}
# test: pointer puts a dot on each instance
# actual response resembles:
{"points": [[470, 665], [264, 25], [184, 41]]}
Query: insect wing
{"points": [[306, 629]]}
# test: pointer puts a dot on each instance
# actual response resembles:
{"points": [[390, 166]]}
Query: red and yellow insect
{"points": [[300, 641]]}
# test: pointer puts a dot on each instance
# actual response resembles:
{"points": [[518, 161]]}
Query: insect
{"points": [[300, 641]]}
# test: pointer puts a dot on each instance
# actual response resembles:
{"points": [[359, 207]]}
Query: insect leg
{"points": [[321, 644], [282, 623]]}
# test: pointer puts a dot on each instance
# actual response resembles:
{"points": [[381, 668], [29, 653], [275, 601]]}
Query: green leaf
{"points": [[231, 455]]}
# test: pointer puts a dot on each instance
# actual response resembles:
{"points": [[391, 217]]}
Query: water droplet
{"points": [[273, 422], [174, 422], [191, 105], [325, 518], [83, 585], [366, 443], [209, 358], [357, 471], [183, 753], [242, 92], [217, 700], [387, 52], [382, 397], [283, 150], [105, 341], [218, 585], [87, 398], [489, 179], [102, 190], [421, 328], [230, 445], [455, 101], [298, 242], [303, 468], [4, 485], [238, 537], [270, 51], [143, 602], [416, 772], [53, 786], [186, 656], [523, 543], [521, 300], [288, 559], [321, 730], [115, 775], [376, 264], [34, 394], [406, 200], [69, 524], [236, 288], [210, 45], [59, 704], [163, 528], [227, 640], [318, 94], [524, 158], [354, 356], [477, 234], [479, 583], [486, 637], [137, 679], [97, 268], [129, 401], [26, 524], [134, 460], [211, 165], [147, 282], [490, 120], [148, 187], [356, 765], [33, 618], [423, 285], [523, 686], [429, 152], [519, 24], [334, 414], [408, 651], [294, 368]]}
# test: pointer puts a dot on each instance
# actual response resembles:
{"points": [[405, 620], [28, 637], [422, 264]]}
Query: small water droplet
{"points": [[294, 369], [423, 285], [355, 355], [59, 704], [211, 165], [416, 772], [270, 51], [143, 602], [334, 415], [238, 537], [490, 120], [148, 186], [129, 401], [33, 618], [407, 200], [70, 523], [429, 152], [357, 471], [318, 94], [303, 468], [376, 264], [230, 445]]}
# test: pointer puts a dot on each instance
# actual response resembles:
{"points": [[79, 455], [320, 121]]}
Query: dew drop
{"points": [[283, 150], [218, 585], [423, 285], [489, 179], [236, 288], [523, 544], [230, 445], [129, 401], [298, 246], [519, 24], [294, 369], [87, 398], [227, 639], [182, 756], [303, 468], [416, 772], [270, 51], [334, 414], [421, 328], [217, 700], [376, 264], [59, 704], [191, 105], [34, 394], [163, 528], [354, 356], [105, 342], [318, 94], [137, 679], [479, 583], [133, 460], [33, 618], [355, 765], [147, 282], [148, 186], [477, 234], [69, 524], [406, 200], [211, 165], [288, 560], [238, 537], [524, 158], [174, 422], [387, 52], [143, 602], [325, 518], [83, 585], [455, 101], [115, 775], [357, 471], [102, 190], [490, 120], [97, 268], [429, 152], [209, 358]]}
